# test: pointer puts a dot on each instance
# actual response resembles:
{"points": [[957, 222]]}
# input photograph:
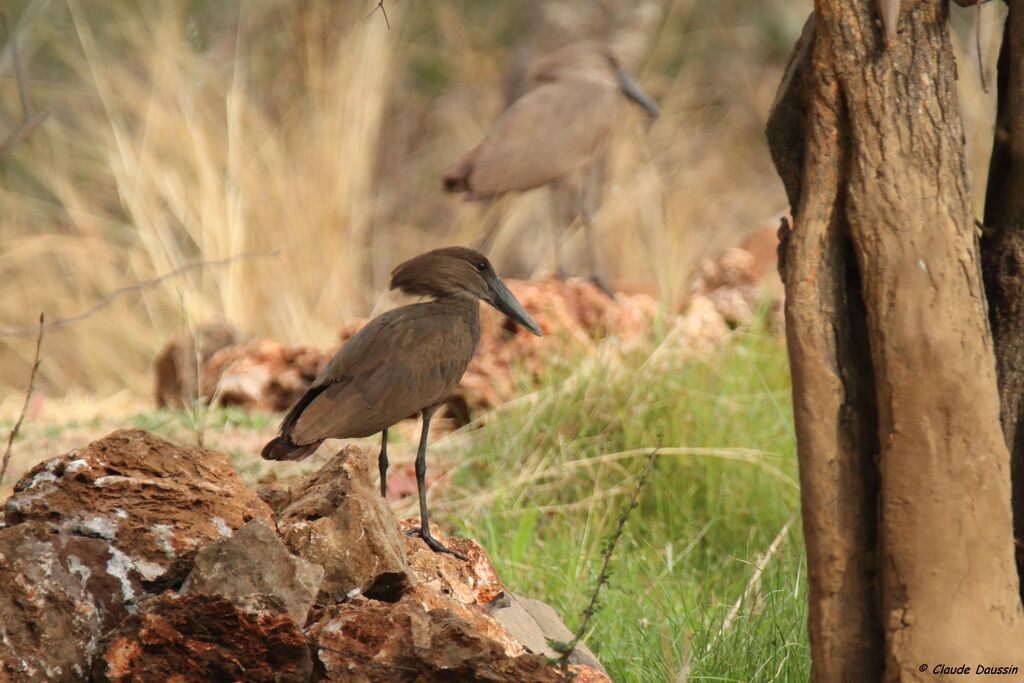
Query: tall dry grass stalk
{"points": [[164, 151]]}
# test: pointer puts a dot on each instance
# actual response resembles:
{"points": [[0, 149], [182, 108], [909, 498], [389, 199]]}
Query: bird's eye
{"points": [[481, 266]]}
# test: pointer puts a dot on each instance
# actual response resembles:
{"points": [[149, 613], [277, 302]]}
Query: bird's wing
{"points": [[551, 130], [388, 371]]}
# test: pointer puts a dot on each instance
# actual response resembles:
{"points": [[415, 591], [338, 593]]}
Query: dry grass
{"points": [[178, 136]]}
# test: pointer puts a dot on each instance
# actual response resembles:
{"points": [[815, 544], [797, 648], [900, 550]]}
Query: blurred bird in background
{"points": [[555, 133]]}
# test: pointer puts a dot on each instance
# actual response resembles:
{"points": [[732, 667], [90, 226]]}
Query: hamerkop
{"points": [[553, 134], [404, 362]]}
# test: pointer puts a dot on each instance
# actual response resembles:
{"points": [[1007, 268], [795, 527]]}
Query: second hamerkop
{"points": [[403, 362]]}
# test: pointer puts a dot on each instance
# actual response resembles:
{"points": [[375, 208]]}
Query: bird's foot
{"points": [[599, 282], [434, 544]]}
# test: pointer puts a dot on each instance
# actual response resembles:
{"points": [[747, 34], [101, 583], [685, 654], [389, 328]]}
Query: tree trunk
{"points": [[1003, 254], [891, 355]]}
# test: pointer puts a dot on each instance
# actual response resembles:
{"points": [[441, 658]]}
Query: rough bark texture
{"points": [[833, 390], [883, 162], [1003, 253]]}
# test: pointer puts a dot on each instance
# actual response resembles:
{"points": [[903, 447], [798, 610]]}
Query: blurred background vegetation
{"points": [[181, 132], [302, 143]]}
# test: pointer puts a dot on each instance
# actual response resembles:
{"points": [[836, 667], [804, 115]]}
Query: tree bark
{"points": [[833, 387], [1003, 254], [909, 371]]}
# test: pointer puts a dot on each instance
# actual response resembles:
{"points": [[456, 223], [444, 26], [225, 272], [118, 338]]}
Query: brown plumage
{"points": [[553, 133], [404, 362]]}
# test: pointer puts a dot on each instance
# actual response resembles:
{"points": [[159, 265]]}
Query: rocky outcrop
{"points": [[92, 535], [254, 568], [742, 278], [181, 364], [471, 582], [61, 594], [203, 638], [155, 502], [337, 519], [426, 636], [260, 375], [534, 623]]}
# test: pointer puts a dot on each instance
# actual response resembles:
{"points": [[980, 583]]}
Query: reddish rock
{"points": [[338, 520], [255, 567], [574, 315], [423, 637], [742, 278], [152, 500], [260, 375], [763, 245], [470, 582], [203, 638], [177, 377], [276, 491], [61, 593]]}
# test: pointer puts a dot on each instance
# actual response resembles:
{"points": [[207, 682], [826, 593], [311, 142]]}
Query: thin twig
{"points": [[602, 577], [146, 284], [24, 408], [380, 6]]}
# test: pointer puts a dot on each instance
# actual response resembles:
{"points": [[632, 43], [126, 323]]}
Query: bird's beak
{"points": [[633, 91], [504, 301]]}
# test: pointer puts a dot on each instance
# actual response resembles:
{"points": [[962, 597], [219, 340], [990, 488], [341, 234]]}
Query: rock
{"points": [[700, 327], [155, 502], [177, 377], [260, 375], [61, 593], [276, 491], [470, 582], [337, 519], [203, 638], [423, 637], [574, 314], [254, 563], [533, 622], [743, 278]]}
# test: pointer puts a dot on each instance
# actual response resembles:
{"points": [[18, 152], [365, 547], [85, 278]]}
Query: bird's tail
{"points": [[282, 448]]}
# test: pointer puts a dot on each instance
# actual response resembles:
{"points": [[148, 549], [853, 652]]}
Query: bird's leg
{"points": [[596, 272], [382, 463], [558, 234], [421, 484], [561, 194]]}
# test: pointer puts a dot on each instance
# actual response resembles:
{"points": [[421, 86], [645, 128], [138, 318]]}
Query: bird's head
{"points": [[589, 60], [459, 271]]}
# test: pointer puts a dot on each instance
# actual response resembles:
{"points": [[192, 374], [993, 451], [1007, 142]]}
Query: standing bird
{"points": [[554, 133], [403, 362]]}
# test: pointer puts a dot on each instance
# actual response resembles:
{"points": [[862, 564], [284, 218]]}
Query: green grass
{"points": [[542, 482], [705, 518]]}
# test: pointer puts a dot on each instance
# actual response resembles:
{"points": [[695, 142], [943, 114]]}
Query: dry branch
{"points": [[120, 291], [380, 6], [602, 578], [24, 408]]}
